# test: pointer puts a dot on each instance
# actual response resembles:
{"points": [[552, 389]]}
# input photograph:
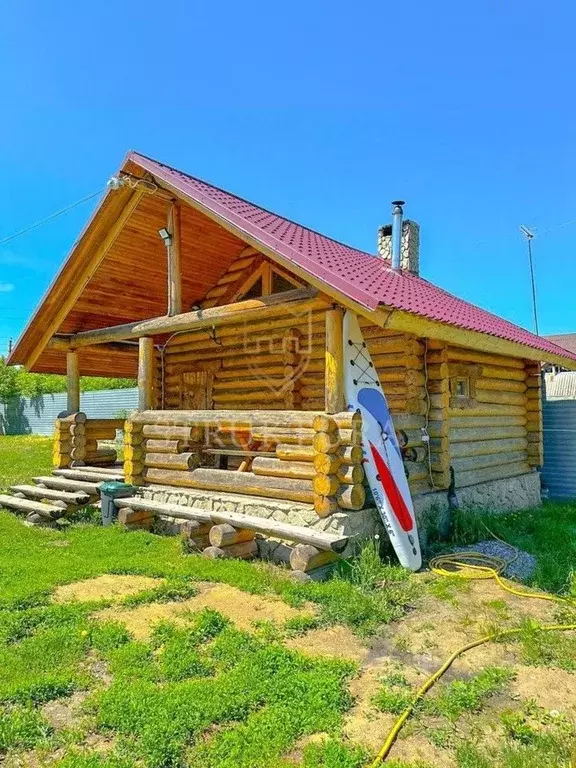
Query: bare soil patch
{"points": [[553, 689], [242, 608], [63, 713], [107, 587], [338, 642]]}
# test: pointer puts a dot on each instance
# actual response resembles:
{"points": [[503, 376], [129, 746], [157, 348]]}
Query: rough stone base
{"points": [[356, 525], [510, 494]]}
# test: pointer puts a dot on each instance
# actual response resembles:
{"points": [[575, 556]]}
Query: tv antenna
{"points": [[529, 235]]}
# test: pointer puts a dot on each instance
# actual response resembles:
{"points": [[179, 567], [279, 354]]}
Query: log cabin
{"points": [[230, 317]]}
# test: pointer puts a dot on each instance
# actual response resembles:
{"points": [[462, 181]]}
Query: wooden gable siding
{"points": [[271, 364], [131, 282]]}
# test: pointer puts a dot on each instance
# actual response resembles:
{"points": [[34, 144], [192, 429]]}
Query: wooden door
{"points": [[196, 390]]}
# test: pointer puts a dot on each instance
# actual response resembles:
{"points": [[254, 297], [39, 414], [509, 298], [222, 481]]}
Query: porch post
{"points": [[72, 383], [145, 373], [174, 272], [334, 371]]}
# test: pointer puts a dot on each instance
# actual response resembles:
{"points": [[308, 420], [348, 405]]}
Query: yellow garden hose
{"points": [[468, 565]]}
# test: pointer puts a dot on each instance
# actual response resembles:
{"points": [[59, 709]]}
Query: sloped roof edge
{"points": [[363, 278]]}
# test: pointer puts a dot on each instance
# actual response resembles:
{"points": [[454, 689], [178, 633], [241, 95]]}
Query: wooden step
{"points": [[79, 474], [25, 505], [79, 499], [114, 469], [238, 453], [64, 484], [319, 539]]}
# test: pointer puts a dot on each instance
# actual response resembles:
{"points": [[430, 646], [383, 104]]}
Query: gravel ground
{"points": [[523, 566]]}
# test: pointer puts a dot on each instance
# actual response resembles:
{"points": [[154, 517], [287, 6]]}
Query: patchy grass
{"points": [[460, 696], [204, 692], [548, 649]]}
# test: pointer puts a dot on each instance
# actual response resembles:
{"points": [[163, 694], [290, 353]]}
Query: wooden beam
{"points": [[174, 262], [72, 382], [89, 267], [299, 300], [145, 373], [63, 343], [319, 539], [334, 374]]}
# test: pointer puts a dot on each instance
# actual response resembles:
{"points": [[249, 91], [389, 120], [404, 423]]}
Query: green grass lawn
{"points": [[22, 457], [207, 694]]}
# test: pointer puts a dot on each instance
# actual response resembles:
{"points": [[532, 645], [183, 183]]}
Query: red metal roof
{"points": [[361, 276]]}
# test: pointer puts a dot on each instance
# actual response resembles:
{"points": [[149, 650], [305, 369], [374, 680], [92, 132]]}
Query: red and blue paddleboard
{"points": [[382, 456]]}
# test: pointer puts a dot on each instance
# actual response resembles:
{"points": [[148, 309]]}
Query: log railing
{"points": [[76, 441], [299, 456]]}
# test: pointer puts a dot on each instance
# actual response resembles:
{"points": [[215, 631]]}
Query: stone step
{"points": [[65, 484], [25, 505], [34, 492]]}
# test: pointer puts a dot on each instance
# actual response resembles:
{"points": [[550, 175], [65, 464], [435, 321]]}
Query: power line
{"points": [[52, 216]]}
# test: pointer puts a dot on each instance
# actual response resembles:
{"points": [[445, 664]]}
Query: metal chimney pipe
{"points": [[397, 215]]}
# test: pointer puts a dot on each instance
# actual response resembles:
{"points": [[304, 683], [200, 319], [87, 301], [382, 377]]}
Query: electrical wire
{"points": [[52, 216], [425, 434], [470, 565]]}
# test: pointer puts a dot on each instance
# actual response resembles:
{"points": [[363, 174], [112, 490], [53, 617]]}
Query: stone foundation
{"points": [[510, 494], [356, 525]]}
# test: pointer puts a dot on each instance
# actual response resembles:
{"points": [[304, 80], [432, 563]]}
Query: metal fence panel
{"points": [[559, 470], [36, 415]]}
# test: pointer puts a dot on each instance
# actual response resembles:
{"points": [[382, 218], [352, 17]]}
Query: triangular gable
{"points": [[353, 277]]}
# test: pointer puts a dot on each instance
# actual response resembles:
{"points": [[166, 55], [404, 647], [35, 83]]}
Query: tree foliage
{"points": [[18, 381]]}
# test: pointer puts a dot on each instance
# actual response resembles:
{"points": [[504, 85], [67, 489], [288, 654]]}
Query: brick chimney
{"points": [[410, 250]]}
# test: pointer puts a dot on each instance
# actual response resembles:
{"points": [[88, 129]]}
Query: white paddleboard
{"points": [[382, 456]]}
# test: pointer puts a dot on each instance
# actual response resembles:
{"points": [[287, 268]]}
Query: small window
{"points": [[462, 387], [463, 378], [255, 290], [280, 284]]}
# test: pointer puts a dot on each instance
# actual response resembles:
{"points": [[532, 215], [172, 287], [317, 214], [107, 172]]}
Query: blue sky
{"points": [[322, 111]]}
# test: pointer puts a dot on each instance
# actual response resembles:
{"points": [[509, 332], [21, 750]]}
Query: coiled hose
{"points": [[469, 565]]}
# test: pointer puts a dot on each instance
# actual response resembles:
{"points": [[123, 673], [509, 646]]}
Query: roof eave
{"points": [[420, 325]]}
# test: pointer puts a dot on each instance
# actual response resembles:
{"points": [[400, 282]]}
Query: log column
{"points": [[173, 254], [72, 383], [134, 452], [145, 373], [334, 375]]}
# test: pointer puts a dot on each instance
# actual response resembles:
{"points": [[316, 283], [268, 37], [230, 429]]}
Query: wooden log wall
{"points": [[95, 430], [337, 456], [270, 365], [487, 432], [306, 457], [438, 448], [68, 438], [534, 413], [399, 362]]}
